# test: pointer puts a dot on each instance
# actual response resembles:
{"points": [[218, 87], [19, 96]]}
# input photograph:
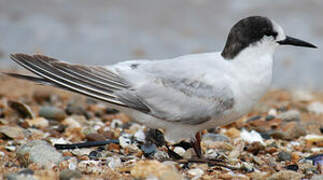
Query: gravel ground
{"points": [[280, 139]]}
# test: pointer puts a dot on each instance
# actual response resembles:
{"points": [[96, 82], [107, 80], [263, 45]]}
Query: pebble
{"points": [[284, 156], [233, 132], [41, 96], [196, 173], [315, 107], [285, 175], [292, 167], [313, 138], [215, 137], [94, 137], [161, 155], [23, 109], [116, 123], [252, 136], [75, 109], [26, 171], [72, 122], [113, 162], [15, 176], [95, 155], [140, 136], [39, 152], [179, 150], [148, 149], [291, 115], [317, 177], [38, 122], [153, 168], [51, 112], [302, 96], [68, 174], [12, 132]]}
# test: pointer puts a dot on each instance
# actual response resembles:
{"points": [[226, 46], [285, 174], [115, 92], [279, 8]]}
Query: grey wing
{"points": [[186, 101]]}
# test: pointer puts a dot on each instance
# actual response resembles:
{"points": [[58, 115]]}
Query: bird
{"points": [[181, 95]]}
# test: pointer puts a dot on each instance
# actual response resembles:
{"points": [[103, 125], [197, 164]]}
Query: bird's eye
{"points": [[271, 33]]}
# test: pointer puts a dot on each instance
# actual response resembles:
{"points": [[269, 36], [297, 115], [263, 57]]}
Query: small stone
{"points": [[196, 173], [317, 177], [247, 167], [258, 161], [313, 138], [51, 112], [72, 121], [284, 156], [23, 109], [26, 171], [68, 174], [140, 135], [285, 175], [232, 133], [269, 117], [254, 148], [39, 152], [215, 137], [94, 137], [179, 150], [321, 129], [95, 155], [10, 148], [38, 122], [113, 162], [161, 155], [125, 140], [153, 168], [251, 137], [148, 149], [292, 167], [12, 132], [15, 176], [316, 108], [291, 115], [302, 96], [75, 109], [116, 123]]}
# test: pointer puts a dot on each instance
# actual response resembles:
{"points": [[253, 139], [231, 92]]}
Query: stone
{"points": [[39, 152], [302, 96], [51, 112], [68, 174], [291, 115], [232, 133], [215, 137], [284, 156], [252, 136], [12, 132], [161, 155], [38, 122], [292, 167], [114, 162], [315, 107], [179, 150], [317, 177], [148, 149], [153, 168], [94, 137], [285, 175], [195, 173], [23, 109]]}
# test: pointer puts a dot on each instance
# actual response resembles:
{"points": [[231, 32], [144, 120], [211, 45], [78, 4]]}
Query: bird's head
{"points": [[258, 31]]}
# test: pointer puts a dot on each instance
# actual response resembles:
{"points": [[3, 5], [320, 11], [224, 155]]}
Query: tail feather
{"points": [[51, 71]]}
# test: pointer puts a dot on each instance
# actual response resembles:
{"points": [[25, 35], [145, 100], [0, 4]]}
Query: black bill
{"points": [[295, 42]]}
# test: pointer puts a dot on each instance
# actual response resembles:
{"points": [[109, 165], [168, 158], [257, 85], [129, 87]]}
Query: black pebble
{"points": [[94, 155], [293, 167]]}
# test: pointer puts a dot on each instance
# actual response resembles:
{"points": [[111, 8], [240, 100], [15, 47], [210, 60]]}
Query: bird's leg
{"points": [[196, 144]]}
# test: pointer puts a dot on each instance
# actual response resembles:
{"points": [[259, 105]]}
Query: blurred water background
{"points": [[108, 31]]}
